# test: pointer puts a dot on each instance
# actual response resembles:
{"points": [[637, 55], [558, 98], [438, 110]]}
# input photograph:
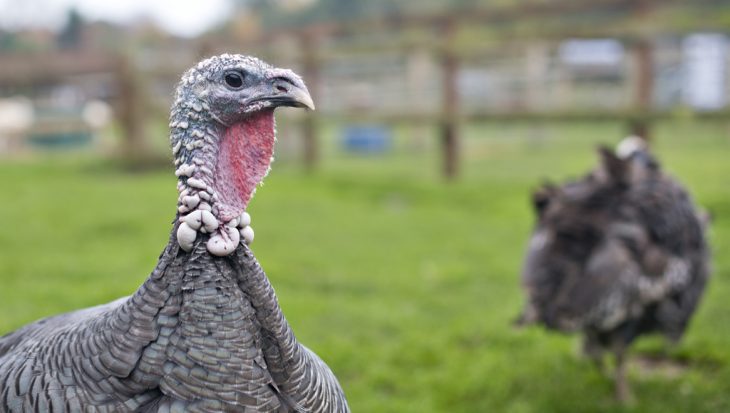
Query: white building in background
{"points": [[16, 118], [705, 71], [607, 53]]}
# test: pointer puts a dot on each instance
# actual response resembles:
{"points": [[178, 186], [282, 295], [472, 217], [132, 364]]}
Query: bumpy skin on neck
{"points": [[219, 162], [217, 172]]}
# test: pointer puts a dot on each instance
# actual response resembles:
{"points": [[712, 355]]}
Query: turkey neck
{"points": [[210, 157], [215, 327], [218, 167]]}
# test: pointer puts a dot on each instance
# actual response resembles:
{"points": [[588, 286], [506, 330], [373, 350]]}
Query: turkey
{"points": [[204, 332], [615, 255]]}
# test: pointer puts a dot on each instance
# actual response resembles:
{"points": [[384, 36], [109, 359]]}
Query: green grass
{"points": [[405, 285]]}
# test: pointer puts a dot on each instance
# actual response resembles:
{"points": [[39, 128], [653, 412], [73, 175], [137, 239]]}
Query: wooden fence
{"points": [[450, 39]]}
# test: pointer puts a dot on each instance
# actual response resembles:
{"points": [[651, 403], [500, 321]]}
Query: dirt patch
{"points": [[653, 365]]}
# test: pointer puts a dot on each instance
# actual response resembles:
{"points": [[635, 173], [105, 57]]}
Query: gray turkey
{"points": [[204, 332], [615, 255]]}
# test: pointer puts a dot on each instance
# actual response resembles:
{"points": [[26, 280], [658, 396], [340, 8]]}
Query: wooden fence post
{"points": [[643, 74], [449, 128], [131, 111], [537, 63], [311, 72]]}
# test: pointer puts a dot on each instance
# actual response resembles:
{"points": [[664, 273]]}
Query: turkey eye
{"points": [[234, 80]]}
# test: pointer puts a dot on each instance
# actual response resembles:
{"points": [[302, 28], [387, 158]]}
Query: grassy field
{"points": [[405, 285]]}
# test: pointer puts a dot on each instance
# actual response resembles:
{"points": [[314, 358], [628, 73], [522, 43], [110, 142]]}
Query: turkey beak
{"points": [[290, 91]]}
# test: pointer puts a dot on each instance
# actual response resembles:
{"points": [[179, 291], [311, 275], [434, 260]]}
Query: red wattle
{"points": [[243, 160]]}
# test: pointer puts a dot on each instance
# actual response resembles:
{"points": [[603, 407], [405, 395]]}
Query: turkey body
{"points": [[190, 339], [615, 255]]}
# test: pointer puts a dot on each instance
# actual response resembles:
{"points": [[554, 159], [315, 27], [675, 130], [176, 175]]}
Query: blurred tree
{"points": [[8, 41], [303, 12], [283, 13], [70, 35]]}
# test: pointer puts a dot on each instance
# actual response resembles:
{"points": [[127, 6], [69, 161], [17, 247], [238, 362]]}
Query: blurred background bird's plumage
{"points": [[615, 255]]}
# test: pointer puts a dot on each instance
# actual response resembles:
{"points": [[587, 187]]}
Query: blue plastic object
{"points": [[370, 139]]}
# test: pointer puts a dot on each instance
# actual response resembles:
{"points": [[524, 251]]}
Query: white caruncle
{"points": [[194, 219], [210, 222], [247, 234], [224, 241], [244, 220], [197, 183], [191, 201], [186, 236]]}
